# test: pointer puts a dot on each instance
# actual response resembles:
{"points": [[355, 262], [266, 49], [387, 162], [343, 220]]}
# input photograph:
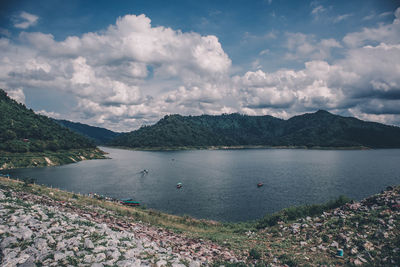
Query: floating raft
{"points": [[130, 202]]}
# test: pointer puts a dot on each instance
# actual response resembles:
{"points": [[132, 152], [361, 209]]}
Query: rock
{"points": [[130, 254], [334, 244], [115, 255], [99, 249], [50, 239], [303, 243], [60, 245], [41, 244], [97, 264], [368, 246], [26, 233], [100, 257], [88, 258], [354, 251], [161, 263], [59, 256], [357, 262], [28, 263], [194, 264], [88, 243]]}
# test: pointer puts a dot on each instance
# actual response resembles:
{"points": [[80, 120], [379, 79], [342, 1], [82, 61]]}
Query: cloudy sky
{"points": [[122, 64]]}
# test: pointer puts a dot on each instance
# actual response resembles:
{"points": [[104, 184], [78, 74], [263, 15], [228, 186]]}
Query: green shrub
{"points": [[293, 213], [254, 254]]}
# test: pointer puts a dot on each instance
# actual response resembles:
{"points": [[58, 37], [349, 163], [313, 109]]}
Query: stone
{"points": [[99, 249], [88, 243], [115, 255], [194, 264], [100, 257], [354, 251], [88, 258], [41, 244], [60, 245], [357, 262], [334, 244], [161, 263], [59, 256], [368, 246], [97, 264]]}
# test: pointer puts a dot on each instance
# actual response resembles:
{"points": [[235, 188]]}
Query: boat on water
{"points": [[260, 184], [179, 185], [130, 202]]}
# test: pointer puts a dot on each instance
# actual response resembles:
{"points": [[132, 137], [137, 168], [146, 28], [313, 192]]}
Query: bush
{"points": [[293, 213], [254, 254]]}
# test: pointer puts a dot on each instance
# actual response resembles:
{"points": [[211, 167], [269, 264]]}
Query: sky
{"points": [[124, 64]]}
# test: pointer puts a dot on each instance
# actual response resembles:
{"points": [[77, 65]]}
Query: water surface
{"points": [[222, 184]]}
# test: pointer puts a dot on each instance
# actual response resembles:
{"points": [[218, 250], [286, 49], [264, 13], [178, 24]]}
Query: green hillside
{"points": [[28, 139], [319, 129], [99, 135]]}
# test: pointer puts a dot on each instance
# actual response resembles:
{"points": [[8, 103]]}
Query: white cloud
{"points": [[387, 33], [122, 72], [25, 20], [302, 46], [50, 114], [133, 73], [340, 18], [318, 11], [17, 94]]}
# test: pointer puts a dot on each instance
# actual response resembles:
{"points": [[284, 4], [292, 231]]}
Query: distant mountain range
{"points": [[313, 130], [100, 136]]}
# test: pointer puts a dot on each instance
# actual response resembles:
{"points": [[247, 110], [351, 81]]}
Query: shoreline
{"points": [[182, 148], [9, 160], [366, 231]]}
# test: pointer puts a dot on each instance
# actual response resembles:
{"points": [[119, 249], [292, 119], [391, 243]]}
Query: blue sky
{"points": [[122, 64]]}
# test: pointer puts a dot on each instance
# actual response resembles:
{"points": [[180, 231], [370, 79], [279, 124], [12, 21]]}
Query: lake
{"points": [[222, 184]]}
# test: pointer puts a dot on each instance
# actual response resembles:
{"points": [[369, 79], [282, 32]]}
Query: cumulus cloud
{"points": [[305, 46], [133, 73], [17, 94], [25, 20], [122, 72], [364, 83]]}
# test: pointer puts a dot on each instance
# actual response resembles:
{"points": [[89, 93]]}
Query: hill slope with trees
{"points": [[319, 129], [99, 135], [24, 134]]}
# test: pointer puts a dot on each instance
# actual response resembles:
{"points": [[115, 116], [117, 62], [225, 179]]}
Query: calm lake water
{"points": [[222, 184]]}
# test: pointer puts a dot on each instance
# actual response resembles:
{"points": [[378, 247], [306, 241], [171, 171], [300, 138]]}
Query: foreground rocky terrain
{"points": [[49, 227], [39, 230]]}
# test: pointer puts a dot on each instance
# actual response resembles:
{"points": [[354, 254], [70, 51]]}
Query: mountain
{"points": [[21, 130], [31, 140], [319, 129], [99, 135]]}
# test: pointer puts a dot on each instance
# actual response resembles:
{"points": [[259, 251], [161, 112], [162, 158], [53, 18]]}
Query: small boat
{"points": [[130, 202], [179, 185], [260, 184]]}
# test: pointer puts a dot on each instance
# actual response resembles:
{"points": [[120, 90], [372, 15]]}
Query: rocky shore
{"points": [[38, 230], [40, 226]]}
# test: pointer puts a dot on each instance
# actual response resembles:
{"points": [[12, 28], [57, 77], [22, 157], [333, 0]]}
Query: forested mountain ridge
{"points": [[319, 129], [99, 135], [21, 130], [31, 140]]}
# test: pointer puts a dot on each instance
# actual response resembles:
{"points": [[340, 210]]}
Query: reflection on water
{"points": [[222, 185]]}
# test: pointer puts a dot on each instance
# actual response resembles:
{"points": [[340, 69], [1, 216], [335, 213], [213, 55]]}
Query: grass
{"points": [[293, 213], [258, 240], [227, 234]]}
